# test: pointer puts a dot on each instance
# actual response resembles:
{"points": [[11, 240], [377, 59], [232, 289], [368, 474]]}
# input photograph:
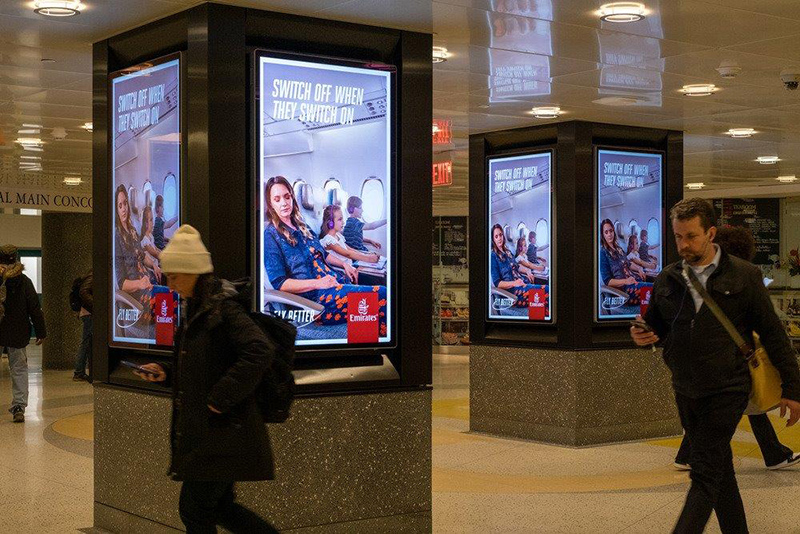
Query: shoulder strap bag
{"points": [[766, 389]]}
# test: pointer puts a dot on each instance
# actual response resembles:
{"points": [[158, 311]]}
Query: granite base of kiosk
{"points": [[571, 398], [347, 463]]}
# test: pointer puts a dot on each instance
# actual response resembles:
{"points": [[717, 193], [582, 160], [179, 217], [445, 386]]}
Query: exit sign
{"points": [[443, 173], [442, 132]]}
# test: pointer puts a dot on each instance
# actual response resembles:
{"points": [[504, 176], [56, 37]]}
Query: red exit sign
{"points": [[442, 132], [443, 173]]}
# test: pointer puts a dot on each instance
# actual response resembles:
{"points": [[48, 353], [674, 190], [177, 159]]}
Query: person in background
{"points": [[85, 350], [710, 377], [738, 241], [532, 251], [19, 308], [146, 237], [335, 243], [644, 247], [218, 434], [297, 263], [615, 269], [525, 266], [505, 273], [354, 228], [160, 225]]}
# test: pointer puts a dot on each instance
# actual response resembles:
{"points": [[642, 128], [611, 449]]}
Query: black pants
{"points": [[773, 451], [204, 505], [710, 423]]}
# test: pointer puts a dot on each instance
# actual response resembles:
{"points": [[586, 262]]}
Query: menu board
{"points": [[760, 215], [450, 241]]}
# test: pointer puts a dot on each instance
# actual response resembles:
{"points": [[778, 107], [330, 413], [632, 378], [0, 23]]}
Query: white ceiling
{"points": [[557, 52]]}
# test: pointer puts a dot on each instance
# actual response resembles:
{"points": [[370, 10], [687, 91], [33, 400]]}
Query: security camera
{"points": [[791, 78], [729, 69]]}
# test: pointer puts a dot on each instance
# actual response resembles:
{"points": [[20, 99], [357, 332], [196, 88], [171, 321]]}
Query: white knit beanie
{"points": [[186, 253]]}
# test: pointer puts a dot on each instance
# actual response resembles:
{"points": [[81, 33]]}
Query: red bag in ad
{"points": [[362, 317], [537, 304]]}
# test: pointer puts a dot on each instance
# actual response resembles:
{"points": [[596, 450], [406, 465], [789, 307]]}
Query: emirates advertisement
{"points": [[520, 239], [325, 198], [628, 231]]}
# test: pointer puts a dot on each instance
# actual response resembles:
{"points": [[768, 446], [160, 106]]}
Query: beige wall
{"points": [[24, 231]]}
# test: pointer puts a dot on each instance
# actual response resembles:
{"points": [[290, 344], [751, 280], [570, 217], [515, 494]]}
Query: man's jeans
{"points": [[85, 350], [18, 365]]}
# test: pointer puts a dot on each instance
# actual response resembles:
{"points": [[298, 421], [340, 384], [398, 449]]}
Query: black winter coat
{"points": [[703, 358], [220, 358], [21, 309]]}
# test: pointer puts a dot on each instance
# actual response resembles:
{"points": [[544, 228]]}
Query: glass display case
{"points": [[787, 306]]}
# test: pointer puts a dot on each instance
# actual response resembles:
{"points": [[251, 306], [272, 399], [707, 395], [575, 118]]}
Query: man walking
{"points": [[85, 314], [20, 307], [709, 374]]}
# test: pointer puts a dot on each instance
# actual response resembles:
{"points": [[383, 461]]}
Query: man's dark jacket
{"points": [[21, 309], [703, 358], [221, 356]]}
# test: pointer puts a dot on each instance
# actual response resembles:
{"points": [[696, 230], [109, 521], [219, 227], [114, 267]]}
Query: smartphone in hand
{"points": [[642, 326], [138, 368]]}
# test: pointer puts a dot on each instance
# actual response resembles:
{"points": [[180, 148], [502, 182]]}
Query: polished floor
{"points": [[481, 484]]}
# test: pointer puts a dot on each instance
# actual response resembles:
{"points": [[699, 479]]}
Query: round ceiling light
{"points": [[546, 112], [768, 160], [622, 12], [58, 8], [699, 89], [616, 101], [787, 179], [87, 126], [440, 54], [73, 180], [695, 186], [741, 133]]}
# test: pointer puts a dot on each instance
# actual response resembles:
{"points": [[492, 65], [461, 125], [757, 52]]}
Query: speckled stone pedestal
{"points": [[576, 399], [349, 463]]}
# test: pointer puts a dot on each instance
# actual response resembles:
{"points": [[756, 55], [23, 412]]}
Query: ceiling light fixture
{"points": [[58, 8], [768, 160], [546, 112], [699, 89], [73, 180], [29, 141], [48, 60], [622, 12], [87, 126], [741, 133], [695, 186], [30, 157], [787, 179], [440, 54]]}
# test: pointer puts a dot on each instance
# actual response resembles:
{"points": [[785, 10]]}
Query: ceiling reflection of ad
{"points": [[632, 64], [520, 46]]}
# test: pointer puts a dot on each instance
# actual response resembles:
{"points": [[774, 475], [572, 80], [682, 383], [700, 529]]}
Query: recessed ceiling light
{"points": [[740, 133], [87, 126], [31, 141], [440, 54], [48, 60], [699, 89], [616, 101], [768, 160], [787, 179], [30, 157], [622, 12], [73, 180], [26, 125], [58, 8], [546, 112], [695, 186]]}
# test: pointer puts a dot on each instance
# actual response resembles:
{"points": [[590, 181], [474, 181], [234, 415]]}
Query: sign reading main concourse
{"points": [[45, 200]]}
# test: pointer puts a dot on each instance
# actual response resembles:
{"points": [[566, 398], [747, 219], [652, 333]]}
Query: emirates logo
{"points": [[163, 308], [536, 298], [363, 308]]}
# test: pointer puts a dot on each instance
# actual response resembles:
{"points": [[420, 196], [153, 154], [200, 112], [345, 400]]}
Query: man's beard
{"points": [[691, 258]]}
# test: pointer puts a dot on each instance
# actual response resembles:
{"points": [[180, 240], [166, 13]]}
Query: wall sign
{"points": [[450, 241], [443, 173], [45, 199], [761, 216]]}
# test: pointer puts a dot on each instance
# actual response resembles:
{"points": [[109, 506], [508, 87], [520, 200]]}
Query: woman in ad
{"points": [[505, 272], [136, 273], [297, 263], [615, 269]]}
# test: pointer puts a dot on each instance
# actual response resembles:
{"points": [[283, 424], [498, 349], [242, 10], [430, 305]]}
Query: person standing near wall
{"points": [[85, 313], [20, 307], [218, 434]]}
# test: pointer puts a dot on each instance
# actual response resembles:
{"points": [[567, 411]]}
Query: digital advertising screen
{"points": [[325, 198], [520, 238], [628, 231], [146, 162]]}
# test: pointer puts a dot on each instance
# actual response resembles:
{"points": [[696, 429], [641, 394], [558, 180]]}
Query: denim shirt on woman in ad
{"points": [[304, 261], [503, 270]]}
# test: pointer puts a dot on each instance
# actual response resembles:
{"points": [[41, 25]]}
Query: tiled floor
{"points": [[485, 484], [480, 483]]}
